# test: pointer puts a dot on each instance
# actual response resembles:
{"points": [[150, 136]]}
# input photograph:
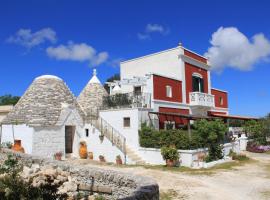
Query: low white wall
{"points": [[187, 157], [21, 132], [104, 148]]}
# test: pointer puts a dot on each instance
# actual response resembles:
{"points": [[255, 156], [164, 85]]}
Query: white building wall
{"points": [[98, 147], [115, 119], [165, 63], [21, 132], [49, 140]]}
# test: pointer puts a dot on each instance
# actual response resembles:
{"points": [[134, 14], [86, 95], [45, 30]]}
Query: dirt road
{"points": [[248, 182]]}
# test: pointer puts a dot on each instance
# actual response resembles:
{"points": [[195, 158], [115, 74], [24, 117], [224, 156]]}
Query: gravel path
{"points": [[248, 182]]}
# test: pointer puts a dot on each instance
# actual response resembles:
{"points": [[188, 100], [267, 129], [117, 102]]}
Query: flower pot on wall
{"points": [[102, 158], [170, 163], [83, 150], [90, 155], [17, 146]]}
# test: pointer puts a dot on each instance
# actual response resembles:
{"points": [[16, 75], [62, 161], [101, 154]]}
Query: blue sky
{"points": [[110, 31]]}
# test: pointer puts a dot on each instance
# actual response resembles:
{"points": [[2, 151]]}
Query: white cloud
{"points": [[29, 39], [231, 48], [143, 36], [154, 28], [151, 29], [77, 52]]}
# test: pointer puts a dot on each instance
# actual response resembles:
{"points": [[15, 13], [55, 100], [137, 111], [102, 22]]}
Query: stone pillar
{"points": [[243, 142]]}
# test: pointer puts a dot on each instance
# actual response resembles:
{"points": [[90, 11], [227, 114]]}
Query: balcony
{"points": [[127, 100], [201, 99]]}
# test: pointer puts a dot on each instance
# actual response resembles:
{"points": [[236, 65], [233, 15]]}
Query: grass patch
{"points": [[208, 171], [168, 195], [265, 194]]}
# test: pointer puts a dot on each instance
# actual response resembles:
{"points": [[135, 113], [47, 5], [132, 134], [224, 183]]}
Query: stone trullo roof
{"points": [[91, 97], [42, 103]]}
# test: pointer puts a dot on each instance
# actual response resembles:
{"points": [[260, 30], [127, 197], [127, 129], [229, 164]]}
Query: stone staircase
{"points": [[134, 157], [117, 139]]}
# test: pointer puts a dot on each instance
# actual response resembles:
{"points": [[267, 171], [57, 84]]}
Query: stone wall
{"points": [[124, 186]]}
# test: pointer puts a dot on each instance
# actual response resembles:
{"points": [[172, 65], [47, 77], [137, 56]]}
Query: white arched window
{"points": [[197, 83]]}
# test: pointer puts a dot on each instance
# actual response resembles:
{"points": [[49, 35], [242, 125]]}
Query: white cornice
{"points": [[195, 62]]}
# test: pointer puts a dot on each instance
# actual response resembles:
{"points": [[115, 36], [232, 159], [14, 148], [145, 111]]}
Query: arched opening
{"points": [[197, 83]]}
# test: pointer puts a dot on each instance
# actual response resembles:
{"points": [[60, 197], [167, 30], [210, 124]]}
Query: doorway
{"points": [[69, 138]]}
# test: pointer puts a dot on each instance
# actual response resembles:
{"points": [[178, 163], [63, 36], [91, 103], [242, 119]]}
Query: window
{"points": [[86, 132], [126, 122], [137, 90], [168, 125], [168, 91], [197, 83], [221, 101]]}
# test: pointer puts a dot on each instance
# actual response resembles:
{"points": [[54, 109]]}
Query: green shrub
{"points": [[256, 130], [169, 153], [206, 134], [151, 138], [211, 135]]}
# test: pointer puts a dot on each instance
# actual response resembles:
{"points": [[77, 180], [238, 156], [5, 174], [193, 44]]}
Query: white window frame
{"points": [[169, 91], [199, 76], [169, 122]]}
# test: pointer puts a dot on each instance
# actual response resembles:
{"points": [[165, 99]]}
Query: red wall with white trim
{"points": [[160, 83], [219, 94], [189, 70]]}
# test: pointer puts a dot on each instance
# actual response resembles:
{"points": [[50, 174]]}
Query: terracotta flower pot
{"points": [[102, 159], [90, 155], [58, 157], [119, 161], [17, 146], [83, 151], [170, 163]]}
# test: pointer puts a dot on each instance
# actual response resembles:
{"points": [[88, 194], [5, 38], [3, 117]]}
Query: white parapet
{"points": [[201, 99]]}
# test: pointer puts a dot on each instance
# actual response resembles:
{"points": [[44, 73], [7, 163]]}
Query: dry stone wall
{"points": [[124, 186]]}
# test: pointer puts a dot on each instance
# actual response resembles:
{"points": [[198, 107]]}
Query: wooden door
{"points": [[69, 137]]}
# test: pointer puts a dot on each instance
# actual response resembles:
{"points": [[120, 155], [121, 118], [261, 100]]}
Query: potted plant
{"points": [[18, 146], [170, 155], [101, 158], [119, 160], [101, 137], [58, 155], [83, 150], [90, 155]]}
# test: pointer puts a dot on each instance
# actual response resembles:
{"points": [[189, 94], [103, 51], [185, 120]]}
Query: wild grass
{"points": [[168, 195]]}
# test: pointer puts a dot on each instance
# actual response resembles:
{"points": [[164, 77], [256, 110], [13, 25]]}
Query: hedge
{"points": [[151, 138]]}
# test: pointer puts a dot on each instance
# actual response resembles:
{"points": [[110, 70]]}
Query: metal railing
{"points": [[201, 99], [113, 135], [128, 100]]}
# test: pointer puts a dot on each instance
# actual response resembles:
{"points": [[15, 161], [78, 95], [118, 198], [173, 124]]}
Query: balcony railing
{"points": [[128, 100], [201, 99]]}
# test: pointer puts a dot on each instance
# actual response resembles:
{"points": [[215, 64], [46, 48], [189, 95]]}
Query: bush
{"points": [[169, 153], [211, 135], [256, 131], [151, 138], [206, 134]]}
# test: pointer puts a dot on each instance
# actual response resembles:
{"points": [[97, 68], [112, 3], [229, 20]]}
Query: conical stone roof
{"points": [[91, 97], [42, 103]]}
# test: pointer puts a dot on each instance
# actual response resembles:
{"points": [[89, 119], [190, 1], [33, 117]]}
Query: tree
{"points": [[211, 135], [115, 77], [9, 99], [257, 130]]}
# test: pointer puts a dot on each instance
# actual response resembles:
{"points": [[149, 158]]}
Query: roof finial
{"points": [[94, 72]]}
